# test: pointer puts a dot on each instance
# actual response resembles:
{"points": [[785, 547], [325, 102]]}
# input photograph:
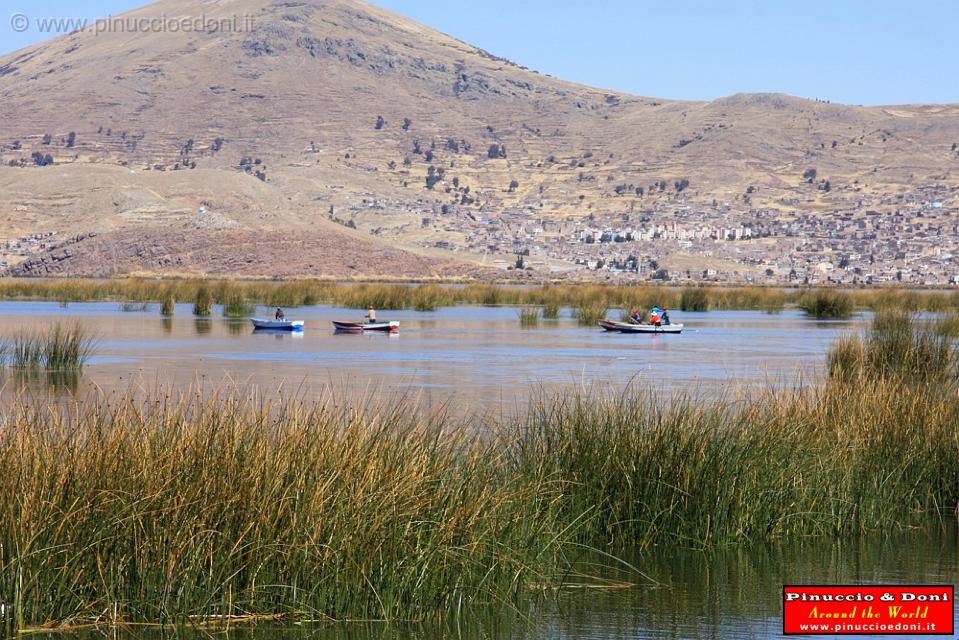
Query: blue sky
{"points": [[853, 51]]}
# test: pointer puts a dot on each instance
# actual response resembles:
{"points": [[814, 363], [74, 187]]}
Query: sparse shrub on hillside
{"points": [[71, 139], [379, 123], [681, 185], [47, 138], [809, 175], [41, 160], [407, 123], [432, 177], [496, 151], [513, 184]]}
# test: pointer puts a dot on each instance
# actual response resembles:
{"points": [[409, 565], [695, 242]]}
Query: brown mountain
{"points": [[370, 140]]}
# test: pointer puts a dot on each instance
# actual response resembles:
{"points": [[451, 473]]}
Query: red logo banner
{"points": [[899, 610]]}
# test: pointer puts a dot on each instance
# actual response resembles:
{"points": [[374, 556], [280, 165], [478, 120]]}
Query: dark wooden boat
{"points": [[357, 327]]}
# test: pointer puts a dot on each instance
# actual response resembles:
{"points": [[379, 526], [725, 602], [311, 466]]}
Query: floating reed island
{"points": [[160, 509], [587, 301]]}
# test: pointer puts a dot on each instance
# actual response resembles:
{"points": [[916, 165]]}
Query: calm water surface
{"points": [[474, 357]]}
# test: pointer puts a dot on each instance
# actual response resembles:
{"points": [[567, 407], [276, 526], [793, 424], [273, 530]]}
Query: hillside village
{"points": [[386, 147], [871, 240]]}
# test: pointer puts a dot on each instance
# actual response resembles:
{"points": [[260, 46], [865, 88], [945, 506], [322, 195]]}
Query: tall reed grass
{"points": [[160, 509], [897, 346], [168, 304], [203, 302], [58, 347], [431, 296], [235, 304], [826, 303], [529, 317], [694, 299]]}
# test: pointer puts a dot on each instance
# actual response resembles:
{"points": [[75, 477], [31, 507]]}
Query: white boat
{"points": [[627, 327], [277, 325]]}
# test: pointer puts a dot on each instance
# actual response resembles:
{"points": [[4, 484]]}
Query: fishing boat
{"points": [[626, 327], [357, 327], [277, 325]]}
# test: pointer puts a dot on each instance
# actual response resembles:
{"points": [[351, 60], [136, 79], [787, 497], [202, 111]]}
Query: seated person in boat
{"points": [[665, 316], [371, 315], [634, 316], [279, 315]]}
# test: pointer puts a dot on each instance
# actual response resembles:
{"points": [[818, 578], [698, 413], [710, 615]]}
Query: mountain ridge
{"points": [[334, 118]]}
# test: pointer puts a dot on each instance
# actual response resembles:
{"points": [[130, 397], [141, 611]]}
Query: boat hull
{"points": [[625, 327], [362, 327], [277, 325]]}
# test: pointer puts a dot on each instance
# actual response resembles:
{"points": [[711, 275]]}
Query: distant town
{"points": [[909, 238]]}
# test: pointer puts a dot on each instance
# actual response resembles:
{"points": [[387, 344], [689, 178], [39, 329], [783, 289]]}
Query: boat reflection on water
{"points": [[236, 327], [279, 333]]}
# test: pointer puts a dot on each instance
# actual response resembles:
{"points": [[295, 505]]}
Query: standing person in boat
{"points": [[371, 315], [279, 315], [654, 318]]}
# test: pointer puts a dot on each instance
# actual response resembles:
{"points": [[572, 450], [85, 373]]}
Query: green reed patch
{"points": [[57, 347], [426, 297], [694, 299], [898, 345], [826, 303], [529, 317], [236, 305]]}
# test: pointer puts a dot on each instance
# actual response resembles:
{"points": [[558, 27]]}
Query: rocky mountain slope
{"points": [[366, 135]]}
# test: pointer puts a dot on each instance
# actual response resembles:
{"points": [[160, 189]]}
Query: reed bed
{"points": [[550, 310], [948, 325], [529, 317], [59, 347], [826, 303], [589, 312], [168, 304], [694, 299], [203, 302], [427, 297], [161, 509], [897, 346], [235, 304]]}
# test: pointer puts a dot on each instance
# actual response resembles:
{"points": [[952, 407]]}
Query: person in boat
{"points": [[654, 318], [665, 317], [279, 315], [634, 316], [371, 315]]}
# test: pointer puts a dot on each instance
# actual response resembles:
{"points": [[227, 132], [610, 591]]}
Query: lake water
{"points": [[475, 358]]}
